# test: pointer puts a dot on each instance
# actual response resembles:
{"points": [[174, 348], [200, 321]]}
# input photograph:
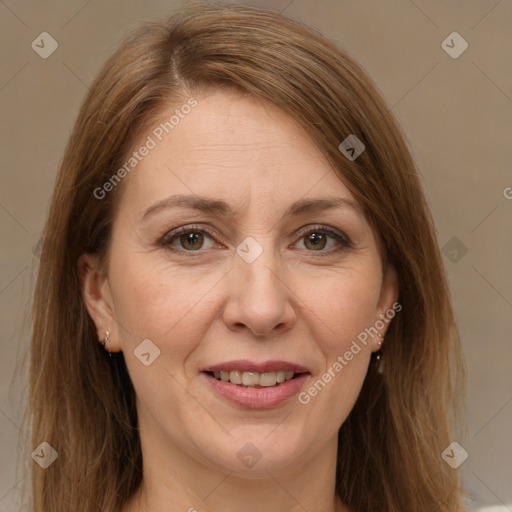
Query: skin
{"points": [[203, 304]]}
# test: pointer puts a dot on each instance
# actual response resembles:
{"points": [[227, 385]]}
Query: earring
{"points": [[106, 340], [378, 356]]}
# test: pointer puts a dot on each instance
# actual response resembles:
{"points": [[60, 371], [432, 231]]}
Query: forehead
{"points": [[234, 147]]}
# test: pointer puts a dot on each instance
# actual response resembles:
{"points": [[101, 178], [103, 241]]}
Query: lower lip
{"points": [[258, 398]]}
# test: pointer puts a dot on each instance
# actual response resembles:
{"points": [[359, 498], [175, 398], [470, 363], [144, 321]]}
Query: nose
{"points": [[259, 299]]}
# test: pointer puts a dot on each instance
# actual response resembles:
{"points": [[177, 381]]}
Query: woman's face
{"points": [[235, 247]]}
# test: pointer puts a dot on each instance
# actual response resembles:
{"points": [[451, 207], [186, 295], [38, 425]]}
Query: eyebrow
{"points": [[222, 209]]}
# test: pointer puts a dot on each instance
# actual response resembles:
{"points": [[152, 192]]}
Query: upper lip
{"points": [[254, 366]]}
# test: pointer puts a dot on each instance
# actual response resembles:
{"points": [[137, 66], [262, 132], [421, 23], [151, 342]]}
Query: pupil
{"points": [[191, 239], [315, 238]]}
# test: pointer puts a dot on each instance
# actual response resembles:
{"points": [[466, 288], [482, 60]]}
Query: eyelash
{"points": [[343, 240]]}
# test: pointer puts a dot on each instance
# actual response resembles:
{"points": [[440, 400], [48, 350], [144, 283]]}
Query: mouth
{"points": [[248, 379], [256, 385]]}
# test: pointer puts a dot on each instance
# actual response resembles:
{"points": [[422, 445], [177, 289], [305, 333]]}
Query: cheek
{"points": [[344, 305], [153, 300], [349, 310]]}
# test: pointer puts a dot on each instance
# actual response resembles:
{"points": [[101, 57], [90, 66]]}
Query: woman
{"points": [[241, 303]]}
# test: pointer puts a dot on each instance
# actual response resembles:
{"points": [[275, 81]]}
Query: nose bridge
{"points": [[262, 272], [259, 299], [259, 259]]}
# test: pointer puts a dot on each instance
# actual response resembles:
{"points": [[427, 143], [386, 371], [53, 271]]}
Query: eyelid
{"points": [[341, 238], [166, 239]]}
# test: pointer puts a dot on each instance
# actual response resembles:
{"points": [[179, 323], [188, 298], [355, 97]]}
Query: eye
{"points": [[316, 239], [187, 238]]}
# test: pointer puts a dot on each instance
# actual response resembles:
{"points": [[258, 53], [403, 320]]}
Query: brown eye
{"points": [[192, 240], [315, 241], [188, 239], [323, 240]]}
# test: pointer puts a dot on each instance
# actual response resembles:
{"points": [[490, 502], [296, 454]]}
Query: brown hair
{"points": [[82, 401]]}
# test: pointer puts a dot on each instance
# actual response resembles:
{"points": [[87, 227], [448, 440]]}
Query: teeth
{"points": [[235, 377], [250, 379], [281, 376], [254, 379], [268, 379]]}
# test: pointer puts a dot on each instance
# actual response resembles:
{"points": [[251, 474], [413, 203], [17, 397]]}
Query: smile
{"points": [[254, 379], [256, 385]]}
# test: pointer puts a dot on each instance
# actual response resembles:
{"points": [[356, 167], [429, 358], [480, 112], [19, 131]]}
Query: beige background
{"points": [[457, 114]]}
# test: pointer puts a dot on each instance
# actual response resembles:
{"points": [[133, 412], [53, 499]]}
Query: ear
{"points": [[388, 300], [95, 289]]}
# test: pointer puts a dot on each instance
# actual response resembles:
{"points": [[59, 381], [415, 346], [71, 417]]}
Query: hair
{"points": [[82, 401]]}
